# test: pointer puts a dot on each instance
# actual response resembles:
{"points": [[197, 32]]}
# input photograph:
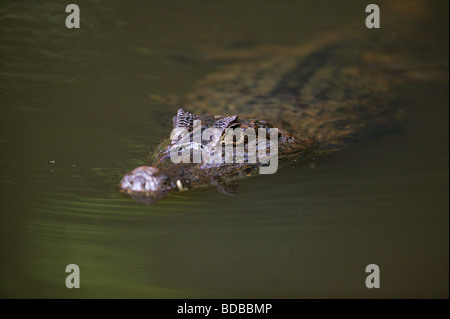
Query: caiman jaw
{"points": [[144, 179]]}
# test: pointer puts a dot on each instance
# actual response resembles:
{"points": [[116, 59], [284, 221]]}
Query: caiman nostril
{"points": [[143, 179]]}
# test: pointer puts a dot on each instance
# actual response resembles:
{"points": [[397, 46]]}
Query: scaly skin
{"points": [[320, 97]]}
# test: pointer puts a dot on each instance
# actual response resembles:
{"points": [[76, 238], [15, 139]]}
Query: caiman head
{"points": [[211, 150]]}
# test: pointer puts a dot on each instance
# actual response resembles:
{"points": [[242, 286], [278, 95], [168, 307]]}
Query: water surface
{"points": [[79, 108]]}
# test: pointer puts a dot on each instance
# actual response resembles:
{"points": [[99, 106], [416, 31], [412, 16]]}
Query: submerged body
{"points": [[320, 97]]}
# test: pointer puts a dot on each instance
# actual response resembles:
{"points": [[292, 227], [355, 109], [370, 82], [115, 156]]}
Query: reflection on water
{"points": [[81, 107]]}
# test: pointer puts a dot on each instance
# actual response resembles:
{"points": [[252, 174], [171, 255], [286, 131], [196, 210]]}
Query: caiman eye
{"points": [[240, 138]]}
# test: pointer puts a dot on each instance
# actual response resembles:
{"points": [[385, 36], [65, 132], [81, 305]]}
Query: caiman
{"points": [[321, 97]]}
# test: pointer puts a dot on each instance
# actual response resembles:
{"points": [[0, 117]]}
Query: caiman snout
{"points": [[145, 179]]}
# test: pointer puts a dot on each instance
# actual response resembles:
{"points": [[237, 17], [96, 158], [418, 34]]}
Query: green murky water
{"points": [[81, 107]]}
